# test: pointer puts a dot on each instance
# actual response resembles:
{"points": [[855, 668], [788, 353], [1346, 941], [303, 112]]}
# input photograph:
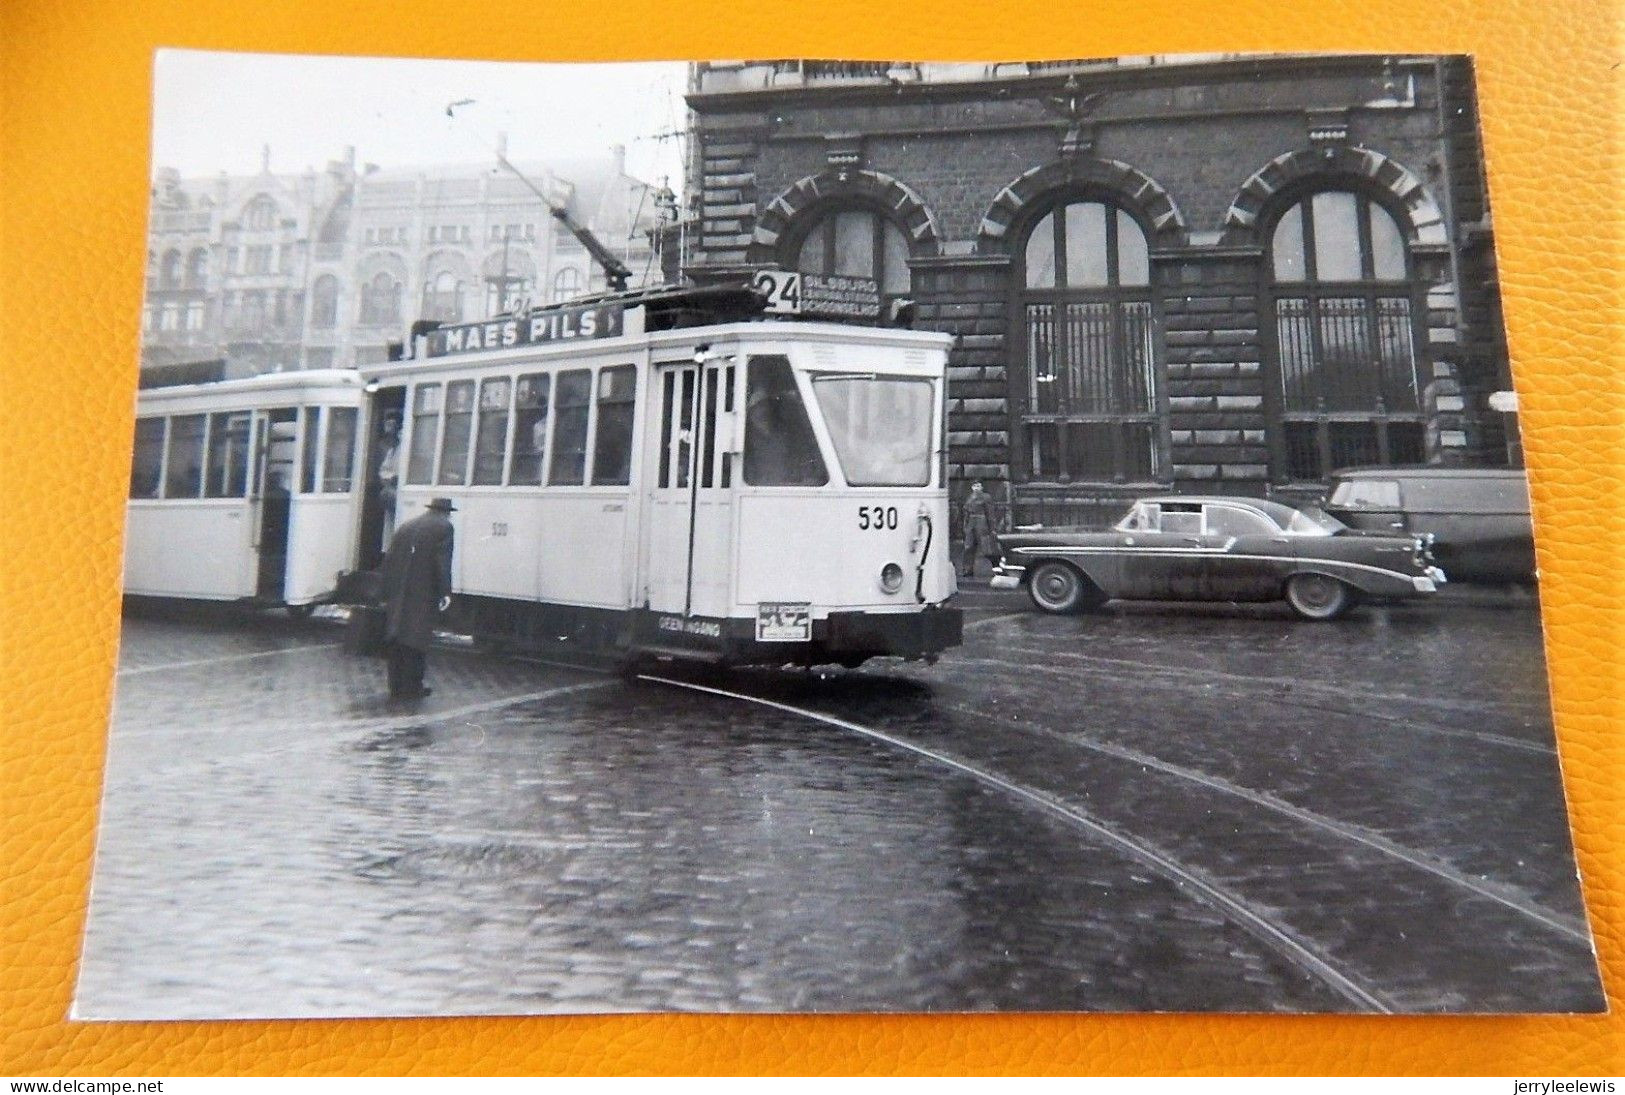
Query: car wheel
{"points": [[1056, 587], [1317, 597]]}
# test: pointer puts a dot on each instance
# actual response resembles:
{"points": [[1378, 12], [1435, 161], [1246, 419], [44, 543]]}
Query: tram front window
{"points": [[780, 447], [881, 427]]}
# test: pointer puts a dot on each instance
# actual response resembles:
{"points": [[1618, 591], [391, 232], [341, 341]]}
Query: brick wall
{"points": [[1209, 304], [1181, 145], [967, 298]]}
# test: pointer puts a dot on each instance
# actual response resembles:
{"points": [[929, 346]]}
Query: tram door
{"points": [[691, 502], [383, 466], [278, 447]]}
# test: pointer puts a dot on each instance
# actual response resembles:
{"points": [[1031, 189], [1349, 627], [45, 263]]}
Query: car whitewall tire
{"points": [[1059, 588], [1318, 597]]}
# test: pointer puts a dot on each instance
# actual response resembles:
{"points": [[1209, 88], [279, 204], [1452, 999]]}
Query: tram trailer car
{"points": [[751, 492], [245, 490]]}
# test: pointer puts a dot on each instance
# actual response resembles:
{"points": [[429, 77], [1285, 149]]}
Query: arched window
{"points": [[1346, 388], [197, 268], [857, 241], [510, 277], [566, 284], [171, 276], [324, 302], [443, 298], [261, 213], [381, 300], [1092, 375]]}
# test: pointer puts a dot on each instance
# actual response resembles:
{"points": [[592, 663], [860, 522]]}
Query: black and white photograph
{"points": [[827, 536]]}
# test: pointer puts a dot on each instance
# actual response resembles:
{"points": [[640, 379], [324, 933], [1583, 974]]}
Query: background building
{"points": [[1210, 273], [275, 271]]}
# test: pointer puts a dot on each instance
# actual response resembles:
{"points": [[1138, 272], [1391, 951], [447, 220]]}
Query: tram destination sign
{"points": [[838, 296], [578, 324]]}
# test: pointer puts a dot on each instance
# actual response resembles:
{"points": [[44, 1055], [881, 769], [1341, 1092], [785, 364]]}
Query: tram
{"points": [[674, 474], [245, 490]]}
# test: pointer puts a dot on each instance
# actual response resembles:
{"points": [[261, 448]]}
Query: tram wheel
{"points": [[1059, 588], [1317, 597]]}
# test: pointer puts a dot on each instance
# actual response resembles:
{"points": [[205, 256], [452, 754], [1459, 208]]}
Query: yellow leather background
{"points": [[72, 224]]}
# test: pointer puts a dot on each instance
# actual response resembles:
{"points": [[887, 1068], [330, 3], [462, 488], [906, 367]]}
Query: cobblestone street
{"points": [[1151, 807]]}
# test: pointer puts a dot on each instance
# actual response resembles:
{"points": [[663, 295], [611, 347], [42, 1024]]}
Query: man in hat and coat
{"points": [[416, 586], [979, 538]]}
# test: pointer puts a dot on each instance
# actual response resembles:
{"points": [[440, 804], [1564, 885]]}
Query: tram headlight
{"points": [[891, 577]]}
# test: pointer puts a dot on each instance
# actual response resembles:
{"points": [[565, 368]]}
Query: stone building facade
{"points": [[1214, 274], [271, 272]]}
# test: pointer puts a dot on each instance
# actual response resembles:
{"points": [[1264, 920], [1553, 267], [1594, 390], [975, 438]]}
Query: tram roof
{"points": [[592, 325], [764, 330], [299, 379]]}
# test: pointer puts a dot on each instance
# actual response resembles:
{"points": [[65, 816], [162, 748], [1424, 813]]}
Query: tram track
{"points": [[1357, 834], [1181, 679], [198, 663], [1302, 954]]}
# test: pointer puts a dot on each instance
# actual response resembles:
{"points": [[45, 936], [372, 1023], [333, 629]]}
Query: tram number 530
{"points": [[877, 517]]}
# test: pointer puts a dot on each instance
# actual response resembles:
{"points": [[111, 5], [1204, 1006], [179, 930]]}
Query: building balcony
{"points": [[236, 330], [187, 220], [178, 337]]}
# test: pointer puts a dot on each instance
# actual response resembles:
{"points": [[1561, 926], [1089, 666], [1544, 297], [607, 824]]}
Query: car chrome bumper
{"points": [[1006, 577], [1431, 582]]}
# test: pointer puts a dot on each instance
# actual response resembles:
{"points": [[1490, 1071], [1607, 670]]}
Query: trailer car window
{"points": [[228, 455], [425, 424], [338, 469], [459, 432], [491, 435], [529, 429], [612, 444], [780, 448], [184, 477], [569, 465], [147, 466], [307, 460]]}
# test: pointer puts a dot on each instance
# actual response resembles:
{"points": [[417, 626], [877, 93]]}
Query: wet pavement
{"points": [[1146, 808]]}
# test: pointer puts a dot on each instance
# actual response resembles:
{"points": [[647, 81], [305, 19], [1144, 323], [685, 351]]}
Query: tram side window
{"points": [[569, 464], [780, 448], [148, 463], [492, 433], [612, 444], [228, 455], [425, 425], [529, 429], [338, 469], [307, 459], [459, 431], [184, 477]]}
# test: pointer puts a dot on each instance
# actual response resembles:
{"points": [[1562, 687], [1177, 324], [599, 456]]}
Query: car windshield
{"points": [[1314, 521]]}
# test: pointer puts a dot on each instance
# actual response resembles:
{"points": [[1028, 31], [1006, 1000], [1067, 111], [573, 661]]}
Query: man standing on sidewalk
{"points": [[978, 515], [417, 585]]}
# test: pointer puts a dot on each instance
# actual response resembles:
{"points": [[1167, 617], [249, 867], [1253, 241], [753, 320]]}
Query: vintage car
{"points": [[1216, 549], [1478, 517]]}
